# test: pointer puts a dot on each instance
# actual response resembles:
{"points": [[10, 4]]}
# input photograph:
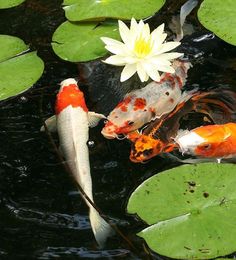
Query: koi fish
{"points": [[211, 141], [158, 137], [143, 105], [72, 121]]}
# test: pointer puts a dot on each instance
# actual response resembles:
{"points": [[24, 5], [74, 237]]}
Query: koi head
{"points": [[146, 147], [70, 95], [126, 117], [204, 141]]}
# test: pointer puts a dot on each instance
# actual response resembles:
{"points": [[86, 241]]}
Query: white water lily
{"points": [[141, 51]]}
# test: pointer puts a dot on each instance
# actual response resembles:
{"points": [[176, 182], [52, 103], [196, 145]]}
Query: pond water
{"points": [[42, 216]]}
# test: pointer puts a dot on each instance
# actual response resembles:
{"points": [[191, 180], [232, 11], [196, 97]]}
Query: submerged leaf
{"points": [[81, 42], [79, 10], [219, 17], [10, 3], [191, 210], [18, 70]]}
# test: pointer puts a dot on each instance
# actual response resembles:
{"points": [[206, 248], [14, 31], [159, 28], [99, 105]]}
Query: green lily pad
{"points": [[219, 17], [79, 42], [18, 70], [191, 210], [80, 10], [10, 3]]}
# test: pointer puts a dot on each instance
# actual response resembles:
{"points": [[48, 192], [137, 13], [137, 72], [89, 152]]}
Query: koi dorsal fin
{"points": [[70, 95]]}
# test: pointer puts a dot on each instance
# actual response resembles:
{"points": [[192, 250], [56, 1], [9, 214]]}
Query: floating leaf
{"points": [[9, 3], [219, 17], [79, 10], [81, 42], [18, 70], [191, 210]]}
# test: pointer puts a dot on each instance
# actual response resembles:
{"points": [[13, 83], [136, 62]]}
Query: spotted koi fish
{"points": [[218, 105], [211, 141], [153, 101]]}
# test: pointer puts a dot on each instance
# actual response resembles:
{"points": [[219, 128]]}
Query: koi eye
{"points": [[206, 146], [105, 121], [130, 122], [167, 93], [148, 152]]}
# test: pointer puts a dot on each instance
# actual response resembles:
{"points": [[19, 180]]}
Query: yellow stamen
{"points": [[142, 47]]}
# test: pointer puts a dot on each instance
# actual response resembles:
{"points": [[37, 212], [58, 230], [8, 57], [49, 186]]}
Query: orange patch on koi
{"points": [[70, 95], [139, 103], [125, 102]]}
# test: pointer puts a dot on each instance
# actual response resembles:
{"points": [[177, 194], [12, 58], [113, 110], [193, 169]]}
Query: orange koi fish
{"points": [[143, 105], [158, 137], [211, 141], [72, 122]]}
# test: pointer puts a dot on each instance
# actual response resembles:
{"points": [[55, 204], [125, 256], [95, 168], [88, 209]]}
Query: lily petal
{"points": [[115, 60], [158, 31], [156, 60], [141, 72], [124, 31], [131, 60], [110, 41], [133, 25], [158, 42], [165, 68], [170, 56], [127, 72], [168, 46], [152, 71], [118, 49], [146, 32]]}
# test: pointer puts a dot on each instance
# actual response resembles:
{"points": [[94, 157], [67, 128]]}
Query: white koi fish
{"points": [[72, 123], [153, 101]]}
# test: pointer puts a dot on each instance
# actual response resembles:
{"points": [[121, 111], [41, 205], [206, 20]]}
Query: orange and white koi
{"points": [[143, 105], [72, 120], [211, 141], [158, 137]]}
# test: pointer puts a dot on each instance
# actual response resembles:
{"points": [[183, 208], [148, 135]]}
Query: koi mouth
{"points": [[111, 131], [112, 135], [135, 159], [108, 135]]}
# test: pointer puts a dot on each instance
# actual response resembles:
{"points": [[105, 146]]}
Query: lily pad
{"points": [[219, 17], [18, 70], [80, 10], [10, 3], [191, 210], [79, 42]]}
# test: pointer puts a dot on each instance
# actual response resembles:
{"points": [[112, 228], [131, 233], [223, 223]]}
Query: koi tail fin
{"points": [[218, 104], [101, 229]]}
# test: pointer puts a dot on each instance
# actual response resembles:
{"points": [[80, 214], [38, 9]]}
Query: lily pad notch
{"points": [[19, 68]]}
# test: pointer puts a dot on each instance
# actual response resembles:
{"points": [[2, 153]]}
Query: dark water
{"points": [[42, 216]]}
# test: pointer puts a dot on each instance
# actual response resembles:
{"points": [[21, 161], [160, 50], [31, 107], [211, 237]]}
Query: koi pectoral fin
{"points": [[133, 136], [51, 124], [94, 118], [169, 148]]}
